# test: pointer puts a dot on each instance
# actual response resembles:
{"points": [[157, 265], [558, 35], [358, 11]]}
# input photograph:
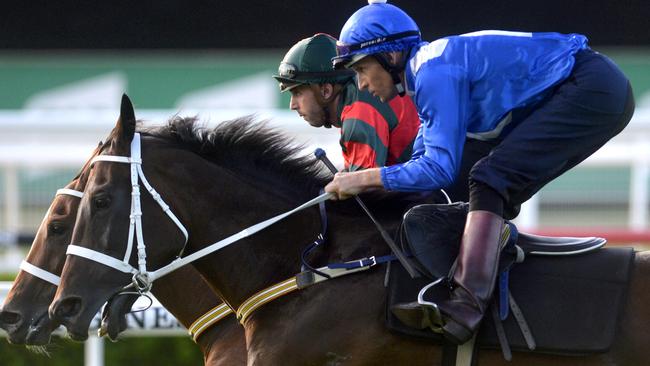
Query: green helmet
{"points": [[310, 62]]}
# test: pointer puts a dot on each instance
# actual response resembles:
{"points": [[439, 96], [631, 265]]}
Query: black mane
{"points": [[248, 147]]}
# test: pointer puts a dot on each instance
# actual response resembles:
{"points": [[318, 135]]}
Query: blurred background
{"points": [[65, 64]]}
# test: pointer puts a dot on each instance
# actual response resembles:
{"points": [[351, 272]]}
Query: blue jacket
{"points": [[465, 86]]}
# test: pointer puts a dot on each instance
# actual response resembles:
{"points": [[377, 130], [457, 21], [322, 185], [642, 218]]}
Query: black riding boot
{"points": [[474, 277]]}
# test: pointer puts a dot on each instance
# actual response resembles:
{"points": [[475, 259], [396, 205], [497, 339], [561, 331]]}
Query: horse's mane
{"points": [[83, 172], [247, 146]]}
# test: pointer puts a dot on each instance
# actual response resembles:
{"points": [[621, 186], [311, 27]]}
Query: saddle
{"points": [[567, 291]]}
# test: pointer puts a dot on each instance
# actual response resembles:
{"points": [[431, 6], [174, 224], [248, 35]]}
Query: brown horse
{"points": [[24, 314], [220, 181]]}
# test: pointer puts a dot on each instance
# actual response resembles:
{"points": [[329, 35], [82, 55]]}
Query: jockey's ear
{"points": [[395, 58], [126, 123], [326, 90]]}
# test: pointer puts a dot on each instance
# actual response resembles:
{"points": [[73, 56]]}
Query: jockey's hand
{"points": [[348, 184]]}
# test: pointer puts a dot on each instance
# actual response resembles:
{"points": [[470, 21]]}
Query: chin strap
{"points": [[327, 117], [394, 71]]}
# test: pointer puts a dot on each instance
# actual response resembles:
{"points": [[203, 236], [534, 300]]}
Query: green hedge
{"points": [[7, 277], [160, 351]]}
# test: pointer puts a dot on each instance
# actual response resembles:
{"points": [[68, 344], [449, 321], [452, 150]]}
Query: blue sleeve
{"points": [[418, 144], [442, 97]]}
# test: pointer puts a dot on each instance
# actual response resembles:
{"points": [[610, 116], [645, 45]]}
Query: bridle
{"points": [[142, 279], [37, 271], [197, 328]]}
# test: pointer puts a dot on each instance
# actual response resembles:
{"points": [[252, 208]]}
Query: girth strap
{"points": [[207, 320], [306, 279], [265, 296]]}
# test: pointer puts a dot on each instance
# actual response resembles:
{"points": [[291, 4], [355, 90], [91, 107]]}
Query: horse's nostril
{"points": [[68, 307], [9, 318]]}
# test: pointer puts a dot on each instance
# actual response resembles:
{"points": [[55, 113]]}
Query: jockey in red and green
{"points": [[373, 133]]}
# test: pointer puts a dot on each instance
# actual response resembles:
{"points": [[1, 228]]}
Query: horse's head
{"points": [[103, 227], [24, 315]]}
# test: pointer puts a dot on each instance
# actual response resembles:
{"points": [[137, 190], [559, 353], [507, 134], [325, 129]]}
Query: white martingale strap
{"points": [[208, 319], [233, 238], [40, 273]]}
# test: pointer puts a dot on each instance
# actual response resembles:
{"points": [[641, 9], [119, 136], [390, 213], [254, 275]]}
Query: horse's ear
{"points": [[126, 123]]}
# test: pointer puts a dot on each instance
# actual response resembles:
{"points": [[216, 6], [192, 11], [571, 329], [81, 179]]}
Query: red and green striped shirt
{"points": [[373, 133]]}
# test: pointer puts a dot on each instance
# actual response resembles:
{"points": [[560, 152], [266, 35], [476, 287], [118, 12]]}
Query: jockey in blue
{"points": [[545, 101]]}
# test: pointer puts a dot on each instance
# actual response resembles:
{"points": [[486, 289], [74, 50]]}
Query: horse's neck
{"points": [[355, 236], [216, 203]]}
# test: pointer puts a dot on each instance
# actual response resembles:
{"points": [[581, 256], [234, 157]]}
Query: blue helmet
{"points": [[376, 28]]}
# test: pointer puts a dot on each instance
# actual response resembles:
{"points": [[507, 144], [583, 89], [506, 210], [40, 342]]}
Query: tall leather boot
{"points": [[475, 276]]}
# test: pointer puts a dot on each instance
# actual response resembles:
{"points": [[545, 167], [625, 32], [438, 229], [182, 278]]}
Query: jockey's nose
{"points": [[293, 104], [362, 83]]}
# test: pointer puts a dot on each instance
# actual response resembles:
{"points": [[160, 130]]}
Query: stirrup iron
{"points": [[431, 309]]}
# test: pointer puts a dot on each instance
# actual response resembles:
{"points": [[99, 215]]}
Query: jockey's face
{"points": [[307, 101], [374, 78]]}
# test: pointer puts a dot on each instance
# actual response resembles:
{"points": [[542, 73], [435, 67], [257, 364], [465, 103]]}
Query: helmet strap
{"points": [[393, 70]]}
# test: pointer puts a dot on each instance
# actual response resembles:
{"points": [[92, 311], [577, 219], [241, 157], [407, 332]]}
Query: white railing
{"points": [[37, 140], [64, 138], [631, 149]]}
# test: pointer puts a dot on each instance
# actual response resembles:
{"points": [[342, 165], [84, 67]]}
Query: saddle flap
{"points": [[432, 233], [547, 245], [571, 303]]}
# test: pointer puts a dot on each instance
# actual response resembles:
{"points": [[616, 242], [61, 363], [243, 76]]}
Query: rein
{"points": [[142, 278]]}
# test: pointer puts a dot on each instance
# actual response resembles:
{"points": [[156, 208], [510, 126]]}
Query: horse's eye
{"points": [[101, 202], [56, 228]]}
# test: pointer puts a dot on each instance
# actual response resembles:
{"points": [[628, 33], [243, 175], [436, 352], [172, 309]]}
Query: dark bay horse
{"points": [[223, 180], [24, 314]]}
